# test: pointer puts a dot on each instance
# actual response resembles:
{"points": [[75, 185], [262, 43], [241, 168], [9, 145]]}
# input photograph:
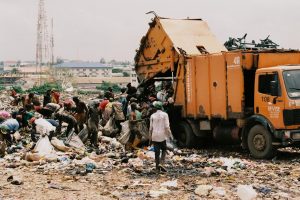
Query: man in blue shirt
{"points": [[8, 127]]}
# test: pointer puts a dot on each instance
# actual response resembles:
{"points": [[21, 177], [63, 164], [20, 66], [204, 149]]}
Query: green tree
{"points": [[105, 85], [126, 74], [117, 70], [43, 88], [113, 61], [15, 71], [18, 63], [102, 60], [59, 61]]}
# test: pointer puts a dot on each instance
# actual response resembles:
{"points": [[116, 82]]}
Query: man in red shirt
{"points": [[103, 104]]}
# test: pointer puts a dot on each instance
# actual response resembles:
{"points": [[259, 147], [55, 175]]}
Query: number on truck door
{"points": [[270, 102]]}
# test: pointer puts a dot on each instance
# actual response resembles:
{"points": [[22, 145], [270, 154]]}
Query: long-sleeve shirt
{"points": [[160, 126]]}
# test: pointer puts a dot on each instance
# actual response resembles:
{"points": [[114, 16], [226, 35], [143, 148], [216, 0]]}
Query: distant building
{"points": [[92, 82], [117, 74], [9, 64], [129, 70], [83, 69]]}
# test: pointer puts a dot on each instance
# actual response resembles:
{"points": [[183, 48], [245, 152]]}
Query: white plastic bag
{"points": [[125, 133], [246, 192], [171, 144], [43, 147], [74, 141], [109, 128]]}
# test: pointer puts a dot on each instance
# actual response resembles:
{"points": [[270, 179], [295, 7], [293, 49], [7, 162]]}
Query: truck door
{"points": [[268, 98]]}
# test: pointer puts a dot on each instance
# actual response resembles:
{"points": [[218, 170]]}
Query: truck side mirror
{"points": [[274, 88]]}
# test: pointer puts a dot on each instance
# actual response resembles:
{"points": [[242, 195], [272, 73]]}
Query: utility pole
{"points": [[52, 44], [42, 43]]}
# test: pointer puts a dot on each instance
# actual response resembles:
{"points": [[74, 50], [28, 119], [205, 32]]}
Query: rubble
{"points": [[158, 193], [109, 171], [246, 192], [170, 184], [203, 190]]}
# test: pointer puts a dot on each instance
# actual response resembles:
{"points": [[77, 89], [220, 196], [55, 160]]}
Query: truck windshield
{"points": [[292, 82]]}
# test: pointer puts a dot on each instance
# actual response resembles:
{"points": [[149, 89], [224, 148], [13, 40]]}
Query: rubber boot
{"points": [[135, 143]]}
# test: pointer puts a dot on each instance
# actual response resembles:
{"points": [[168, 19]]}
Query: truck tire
{"points": [[186, 137], [260, 142]]}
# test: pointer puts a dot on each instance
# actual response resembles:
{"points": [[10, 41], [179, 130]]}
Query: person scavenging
{"points": [[81, 112], [67, 118]]}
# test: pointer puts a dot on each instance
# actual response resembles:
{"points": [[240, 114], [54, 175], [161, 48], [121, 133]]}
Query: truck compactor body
{"points": [[248, 96]]}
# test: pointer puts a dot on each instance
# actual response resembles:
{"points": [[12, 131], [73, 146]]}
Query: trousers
{"points": [[160, 147]]}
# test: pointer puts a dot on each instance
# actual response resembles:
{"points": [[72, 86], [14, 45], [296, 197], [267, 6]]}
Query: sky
{"points": [[112, 29]]}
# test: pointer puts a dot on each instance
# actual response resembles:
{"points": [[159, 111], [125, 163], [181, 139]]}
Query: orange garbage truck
{"points": [[249, 96]]}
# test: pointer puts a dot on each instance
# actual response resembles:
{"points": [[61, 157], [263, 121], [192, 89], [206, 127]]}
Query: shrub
{"points": [[105, 85], [42, 89], [18, 89]]}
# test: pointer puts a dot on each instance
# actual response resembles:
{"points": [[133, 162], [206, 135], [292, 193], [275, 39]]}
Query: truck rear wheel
{"points": [[186, 137], [260, 142]]}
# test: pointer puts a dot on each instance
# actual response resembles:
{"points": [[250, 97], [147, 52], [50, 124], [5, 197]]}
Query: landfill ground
{"points": [[196, 174]]}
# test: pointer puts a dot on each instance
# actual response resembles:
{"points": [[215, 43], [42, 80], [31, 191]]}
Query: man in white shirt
{"points": [[159, 132], [42, 127]]}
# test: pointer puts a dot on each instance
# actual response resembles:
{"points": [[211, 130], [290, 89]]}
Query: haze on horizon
{"points": [[92, 29]]}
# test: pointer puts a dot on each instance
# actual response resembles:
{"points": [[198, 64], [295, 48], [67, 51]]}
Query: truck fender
{"points": [[252, 121]]}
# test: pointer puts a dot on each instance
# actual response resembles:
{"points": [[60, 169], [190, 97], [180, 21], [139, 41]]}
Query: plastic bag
{"points": [[142, 126], [125, 133], [246, 192], [59, 144], [171, 144], [84, 133], [74, 141], [43, 146], [110, 128]]}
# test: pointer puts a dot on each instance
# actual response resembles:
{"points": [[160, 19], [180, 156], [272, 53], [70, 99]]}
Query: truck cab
{"points": [[277, 107]]}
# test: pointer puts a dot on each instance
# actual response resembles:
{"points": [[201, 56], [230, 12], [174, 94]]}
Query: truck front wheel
{"points": [[186, 137], [260, 142]]}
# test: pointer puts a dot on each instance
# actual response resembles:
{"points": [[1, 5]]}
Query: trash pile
{"points": [[130, 174]]}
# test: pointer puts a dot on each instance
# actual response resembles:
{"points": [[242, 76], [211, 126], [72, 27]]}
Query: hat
{"points": [[158, 104]]}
